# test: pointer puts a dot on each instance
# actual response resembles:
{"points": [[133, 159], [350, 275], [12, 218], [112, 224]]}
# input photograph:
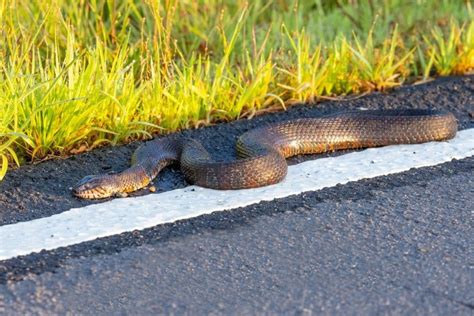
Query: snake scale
{"points": [[262, 152]]}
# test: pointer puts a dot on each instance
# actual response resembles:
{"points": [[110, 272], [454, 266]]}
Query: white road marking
{"points": [[121, 215]]}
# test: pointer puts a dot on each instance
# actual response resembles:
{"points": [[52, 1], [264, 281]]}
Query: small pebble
{"points": [[152, 188]]}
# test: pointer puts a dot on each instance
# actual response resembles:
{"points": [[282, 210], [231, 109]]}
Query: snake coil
{"points": [[262, 152]]}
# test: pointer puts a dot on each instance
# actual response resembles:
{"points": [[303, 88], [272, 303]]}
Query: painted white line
{"points": [[121, 215]]}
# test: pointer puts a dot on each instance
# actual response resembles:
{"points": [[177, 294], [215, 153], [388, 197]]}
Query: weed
{"points": [[76, 75]]}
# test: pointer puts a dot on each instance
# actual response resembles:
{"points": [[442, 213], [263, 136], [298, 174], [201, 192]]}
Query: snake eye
{"points": [[85, 180], [92, 187]]}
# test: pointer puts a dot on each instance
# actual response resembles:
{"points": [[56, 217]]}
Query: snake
{"points": [[262, 152]]}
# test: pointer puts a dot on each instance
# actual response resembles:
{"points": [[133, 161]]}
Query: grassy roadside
{"points": [[75, 75]]}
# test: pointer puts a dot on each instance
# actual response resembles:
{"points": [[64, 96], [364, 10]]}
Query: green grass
{"points": [[77, 76]]}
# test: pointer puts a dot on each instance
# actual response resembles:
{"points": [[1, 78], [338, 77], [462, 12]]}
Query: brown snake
{"points": [[262, 151]]}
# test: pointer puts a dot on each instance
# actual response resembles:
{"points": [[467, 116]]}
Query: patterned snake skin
{"points": [[262, 151]]}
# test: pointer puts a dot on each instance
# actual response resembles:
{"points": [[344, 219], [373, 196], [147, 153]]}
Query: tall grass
{"points": [[76, 75]]}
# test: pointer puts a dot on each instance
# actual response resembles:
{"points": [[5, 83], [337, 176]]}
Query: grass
{"points": [[77, 75]]}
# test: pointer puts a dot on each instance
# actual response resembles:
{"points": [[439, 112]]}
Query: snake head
{"points": [[94, 187]]}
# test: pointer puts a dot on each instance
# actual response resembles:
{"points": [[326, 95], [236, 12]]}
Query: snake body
{"points": [[262, 152]]}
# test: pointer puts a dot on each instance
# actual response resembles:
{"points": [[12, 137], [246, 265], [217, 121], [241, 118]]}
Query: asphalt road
{"points": [[399, 244]]}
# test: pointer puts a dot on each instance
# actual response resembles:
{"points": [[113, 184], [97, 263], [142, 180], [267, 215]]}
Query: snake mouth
{"points": [[85, 193], [90, 194], [92, 187]]}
